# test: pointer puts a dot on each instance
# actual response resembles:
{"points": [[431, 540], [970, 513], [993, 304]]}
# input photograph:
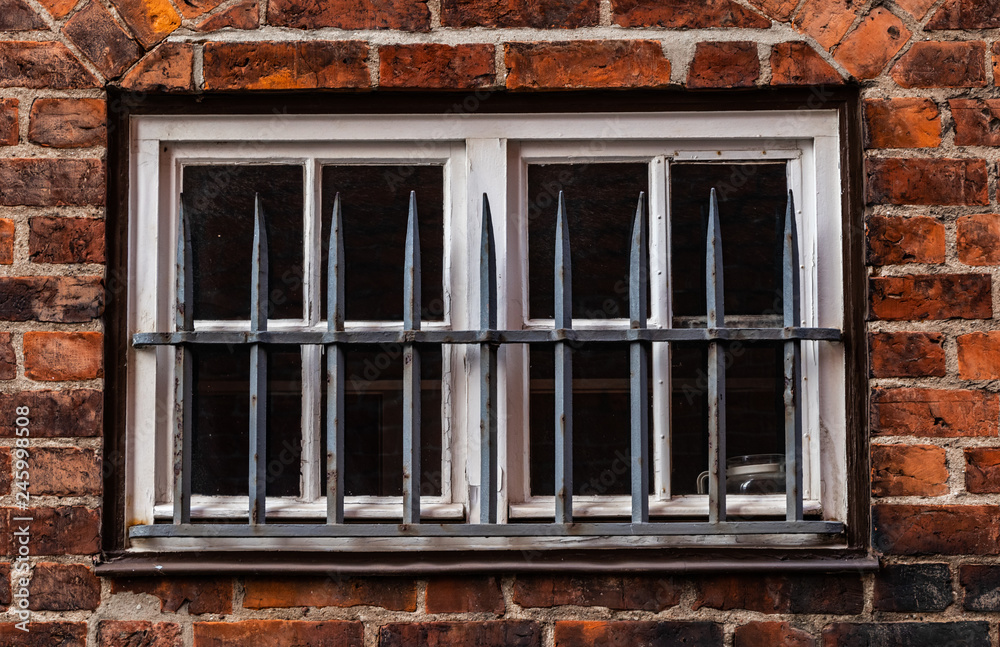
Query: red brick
{"points": [[909, 470], [778, 9], [978, 356], [61, 356], [46, 182], [65, 471], [66, 240], [102, 40], [286, 65], [464, 595], [644, 592], [5, 478], [866, 51], [202, 594], [996, 63], [944, 530], [8, 358], [977, 121], [937, 413], [387, 593], [195, 8], [966, 14], [982, 470], [685, 14], [48, 65], [572, 633], [59, 8], [917, 239], [541, 14], [55, 531], [9, 128], [907, 354], [60, 299], [827, 20], [909, 588], [982, 584], [778, 594], [927, 181], [916, 8], [150, 20], [68, 123], [797, 63], [45, 634], [586, 64], [6, 596], [932, 64], [498, 633], [16, 15], [243, 15], [945, 634], [168, 68], [931, 296], [902, 123], [138, 633], [772, 634], [55, 414], [6, 241], [408, 15], [724, 65], [63, 587], [978, 239], [279, 633], [437, 66]]}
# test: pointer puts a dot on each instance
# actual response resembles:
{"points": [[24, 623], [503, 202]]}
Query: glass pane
{"points": [[752, 200], [600, 203], [220, 205], [374, 206], [221, 405]]}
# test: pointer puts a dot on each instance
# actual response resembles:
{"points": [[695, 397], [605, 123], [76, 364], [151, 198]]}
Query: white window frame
{"points": [[484, 153]]}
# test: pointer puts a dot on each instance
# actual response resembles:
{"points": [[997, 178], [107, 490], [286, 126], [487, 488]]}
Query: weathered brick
{"points": [[202, 594], [61, 356], [540, 14], [934, 413], [645, 592], [979, 356], [916, 8], [779, 594], [967, 634], [408, 15], [279, 633], [907, 354], [936, 64], [102, 40], [492, 633], [6, 596], [724, 65], [138, 633], [437, 66], [909, 470], [65, 471], [866, 50], [59, 8], [150, 20], [902, 123], [6, 241], [286, 65], [5, 479], [62, 299], [827, 20], [67, 123], [982, 470], [586, 64], [464, 595], [917, 239], [66, 240], [977, 121], [797, 63], [195, 8], [168, 68], [904, 180], [966, 14], [778, 9], [16, 15], [9, 129], [571, 633], [909, 588], [982, 586], [48, 65], [55, 414], [387, 593], [243, 15], [63, 587], [55, 531], [996, 63], [945, 530], [772, 634], [685, 14], [45, 182], [931, 296], [8, 358], [45, 634]]}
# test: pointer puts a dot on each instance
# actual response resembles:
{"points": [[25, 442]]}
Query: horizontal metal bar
{"points": [[305, 337], [489, 529]]}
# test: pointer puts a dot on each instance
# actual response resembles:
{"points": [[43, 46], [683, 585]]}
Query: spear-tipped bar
{"points": [[258, 370], [335, 363], [183, 373], [638, 367], [716, 369], [792, 367], [563, 371], [411, 370], [488, 371]]}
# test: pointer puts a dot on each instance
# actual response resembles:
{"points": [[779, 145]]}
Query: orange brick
{"points": [[59, 8], [931, 64], [945, 530], [893, 240], [778, 9], [168, 68], [979, 356], [280, 593], [902, 180], [685, 14], [916, 8], [982, 470], [827, 20], [866, 50], [907, 354], [977, 121], [931, 296], [934, 413], [150, 20], [8, 358], [437, 66], [6, 241], [243, 15], [586, 64], [61, 356], [797, 63], [286, 65], [9, 129], [909, 470], [724, 65], [978, 239], [902, 123]]}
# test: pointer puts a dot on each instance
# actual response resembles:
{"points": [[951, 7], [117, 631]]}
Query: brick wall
{"points": [[928, 70]]}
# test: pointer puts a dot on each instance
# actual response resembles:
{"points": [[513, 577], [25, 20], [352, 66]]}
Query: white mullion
{"points": [[660, 315], [457, 359]]}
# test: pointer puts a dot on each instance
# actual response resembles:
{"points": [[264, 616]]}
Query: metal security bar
{"points": [[489, 338]]}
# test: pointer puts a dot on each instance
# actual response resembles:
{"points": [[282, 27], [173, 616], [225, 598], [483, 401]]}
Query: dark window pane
{"points": [[374, 206], [220, 206], [600, 202], [752, 200]]}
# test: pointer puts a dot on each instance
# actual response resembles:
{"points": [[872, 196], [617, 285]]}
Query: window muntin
{"points": [[502, 164]]}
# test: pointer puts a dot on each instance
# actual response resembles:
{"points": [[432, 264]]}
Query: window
{"points": [[423, 413]]}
